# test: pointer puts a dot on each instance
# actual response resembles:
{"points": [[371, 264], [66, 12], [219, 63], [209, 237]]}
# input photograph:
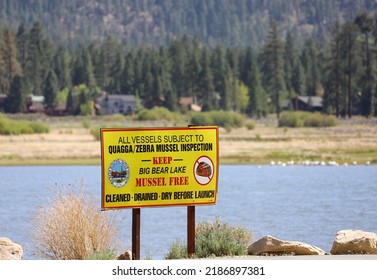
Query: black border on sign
{"points": [[216, 166]]}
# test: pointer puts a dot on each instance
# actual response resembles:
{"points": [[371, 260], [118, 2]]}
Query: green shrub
{"points": [[16, 127], [156, 114], [114, 118], [214, 239], [306, 119], [96, 132], [290, 119], [86, 123], [7, 127], [102, 255], [328, 121], [177, 250], [86, 109], [314, 120], [39, 128], [201, 119], [218, 118], [22, 127], [250, 125], [238, 120]]}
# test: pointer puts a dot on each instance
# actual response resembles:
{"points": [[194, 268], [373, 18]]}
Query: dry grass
{"points": [[346, 143], [70, 142], [74, 143], [72, 227]]}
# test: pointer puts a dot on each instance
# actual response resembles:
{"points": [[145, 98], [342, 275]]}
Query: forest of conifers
{"points": [[338, 65], [230, 23]]}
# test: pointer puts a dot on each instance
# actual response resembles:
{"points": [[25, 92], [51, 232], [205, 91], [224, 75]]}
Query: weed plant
{"points": [[72, 227], [96, 132], [250, 125], [306, 119], [17, 127], [114, 118], [224, 119], [102, 255], [157, 114], [214, 239]]}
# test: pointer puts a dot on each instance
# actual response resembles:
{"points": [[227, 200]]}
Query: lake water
{"points": [[297, 203]]}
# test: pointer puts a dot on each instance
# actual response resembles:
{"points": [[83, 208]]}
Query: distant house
{"points": [[35, 103], [189, 103], [304, 103], [108, 104]]}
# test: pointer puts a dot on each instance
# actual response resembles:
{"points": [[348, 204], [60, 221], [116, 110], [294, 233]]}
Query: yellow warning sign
{"points": [[149, 167]]}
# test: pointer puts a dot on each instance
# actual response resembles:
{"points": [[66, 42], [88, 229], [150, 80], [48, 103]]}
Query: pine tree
{"points": [[82, 72], [150, 88], [298, 78], [72, 104], [273, 67], [193, 69], [368, 82], [128, 75], [88, 74], [311, 63], [220, 70], [22, 42], [11, 64], [79, 101], [16, 99], [349, 51], [77, 71], [291, 64], [38, 58], [165, 81], [258, 96], [139, 82], [108, 64], [61, 66], [115, 83], [242, 96], [207, 94], [251, 77], [178, 59], [3, 73], [50, 91], [334, 74]]}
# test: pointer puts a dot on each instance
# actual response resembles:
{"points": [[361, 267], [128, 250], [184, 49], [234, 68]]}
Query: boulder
{"points": [[272, 245], [125, 256], [10, 250], [354, 242]]}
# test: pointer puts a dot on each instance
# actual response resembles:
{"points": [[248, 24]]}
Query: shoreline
{"points": [[70, 142], [97, 162]]}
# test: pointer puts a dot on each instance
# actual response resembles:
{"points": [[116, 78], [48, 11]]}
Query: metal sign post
{"points": [[136, 234], [190, 231]]}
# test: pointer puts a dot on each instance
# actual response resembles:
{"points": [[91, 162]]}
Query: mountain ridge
{"points": [[155, 22]]}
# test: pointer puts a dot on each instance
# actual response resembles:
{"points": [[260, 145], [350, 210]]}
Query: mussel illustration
{"points": [[203, 169]]}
